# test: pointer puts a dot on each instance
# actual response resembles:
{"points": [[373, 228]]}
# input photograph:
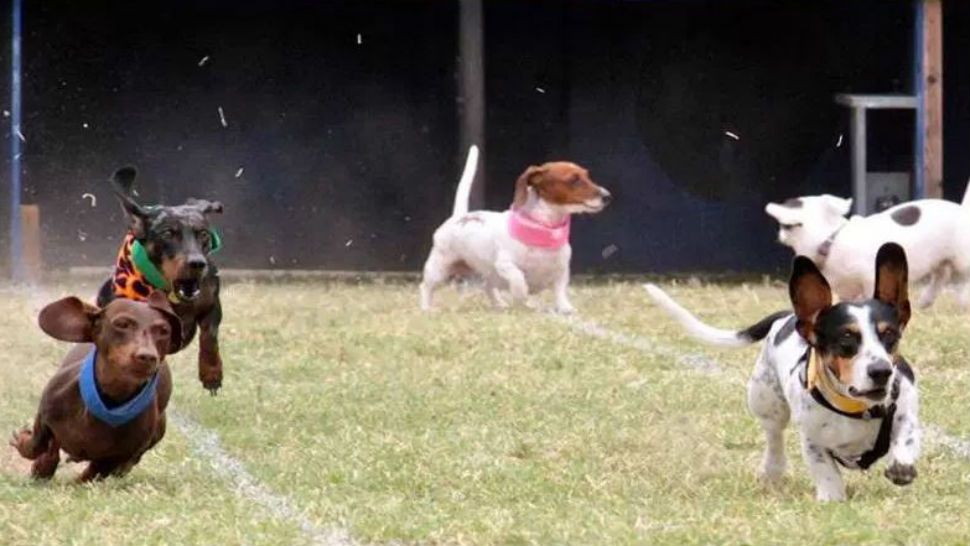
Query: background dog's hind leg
{"points": [[938, 278]]}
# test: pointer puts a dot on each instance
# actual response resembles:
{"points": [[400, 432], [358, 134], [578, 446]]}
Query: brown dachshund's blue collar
{"points": [[120, 415]]}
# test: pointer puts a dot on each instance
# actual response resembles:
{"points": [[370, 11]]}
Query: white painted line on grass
{"points": [[956, 445], [206, 444], [698, 361]]}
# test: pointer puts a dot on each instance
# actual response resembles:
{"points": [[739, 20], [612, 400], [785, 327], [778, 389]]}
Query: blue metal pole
{"points": [[919, 90], [16, 238]]}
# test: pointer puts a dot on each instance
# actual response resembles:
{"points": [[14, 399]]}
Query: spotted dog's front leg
{"points": [[904, 445], [828, 480], [210, 362]]}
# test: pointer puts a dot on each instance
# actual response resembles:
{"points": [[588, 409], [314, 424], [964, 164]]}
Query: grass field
{"points": [[472, 426]]}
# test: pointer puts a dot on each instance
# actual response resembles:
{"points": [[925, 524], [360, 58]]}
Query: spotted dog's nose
{"points": [[880, 372]]}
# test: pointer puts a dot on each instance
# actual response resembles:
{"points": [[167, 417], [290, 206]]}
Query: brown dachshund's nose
{"points": [[147, 358]]}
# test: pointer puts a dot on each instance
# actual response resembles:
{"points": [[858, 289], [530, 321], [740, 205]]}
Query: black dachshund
{"points": [[169, 248]]}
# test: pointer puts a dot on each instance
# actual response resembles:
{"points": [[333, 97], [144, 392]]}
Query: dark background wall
{"points": [[349, 152]]}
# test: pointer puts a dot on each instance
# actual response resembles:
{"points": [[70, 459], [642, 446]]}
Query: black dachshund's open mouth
{"points": [[187, 289]]}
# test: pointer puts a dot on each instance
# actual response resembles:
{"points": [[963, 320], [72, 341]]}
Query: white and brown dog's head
{"points": [[804, 223], [563, 186], [857, 342]]}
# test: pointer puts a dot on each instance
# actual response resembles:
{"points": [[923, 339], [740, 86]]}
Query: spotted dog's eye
{"points": [[787, 227], [889, 338], [848, 343]]}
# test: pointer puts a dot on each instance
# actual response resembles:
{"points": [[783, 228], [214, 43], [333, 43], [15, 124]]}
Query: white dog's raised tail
{"points": [[710, 334], [465, 184]]}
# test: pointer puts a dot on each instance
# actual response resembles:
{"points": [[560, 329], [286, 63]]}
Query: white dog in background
{"points": [[934, 233], [524, 249]]}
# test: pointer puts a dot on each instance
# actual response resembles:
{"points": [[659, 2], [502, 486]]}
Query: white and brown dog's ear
{"points": [[892, 280], [810, 295], [526, 179]]}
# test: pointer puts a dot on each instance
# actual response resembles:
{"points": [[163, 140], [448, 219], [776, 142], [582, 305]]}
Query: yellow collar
{"points": [[817, 378]]}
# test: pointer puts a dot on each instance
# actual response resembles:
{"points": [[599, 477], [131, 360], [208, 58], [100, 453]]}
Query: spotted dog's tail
{"points": [[465, 184], [710, 334]]}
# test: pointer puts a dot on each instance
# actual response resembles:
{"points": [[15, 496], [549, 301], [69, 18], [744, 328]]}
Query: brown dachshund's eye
{"points": [[124, 324], [162, 330]]}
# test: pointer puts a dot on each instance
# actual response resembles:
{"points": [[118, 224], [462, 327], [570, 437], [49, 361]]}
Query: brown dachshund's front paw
{"points": [[901, 474], [211, 377], [19, 441]]}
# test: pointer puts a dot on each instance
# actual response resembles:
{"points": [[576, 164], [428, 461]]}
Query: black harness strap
{"points": [[886, 413], [882, 441]]}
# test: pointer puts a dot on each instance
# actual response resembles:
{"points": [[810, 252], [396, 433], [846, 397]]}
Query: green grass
{"points": [[480, 427]]}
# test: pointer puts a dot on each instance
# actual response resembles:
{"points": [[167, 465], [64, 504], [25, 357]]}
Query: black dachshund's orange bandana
{"points": [[135, 275]]}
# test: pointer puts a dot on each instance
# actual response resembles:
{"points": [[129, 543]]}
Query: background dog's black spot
{"points": [[907, 216], [793, 203]]}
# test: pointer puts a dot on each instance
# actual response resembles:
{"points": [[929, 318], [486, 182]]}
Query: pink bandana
{"points": [[531, 232]]}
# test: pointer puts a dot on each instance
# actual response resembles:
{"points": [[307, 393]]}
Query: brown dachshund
{"points": [[106, 403]]}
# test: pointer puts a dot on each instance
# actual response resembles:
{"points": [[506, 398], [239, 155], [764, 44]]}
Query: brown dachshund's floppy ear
{"points": [[205, 206], [69, 319], [892, 280], [810, 295], [122, 180], [159, 302], [522, 185]]}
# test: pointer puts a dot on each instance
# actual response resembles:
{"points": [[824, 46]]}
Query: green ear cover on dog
{"points": [[215, 241]]}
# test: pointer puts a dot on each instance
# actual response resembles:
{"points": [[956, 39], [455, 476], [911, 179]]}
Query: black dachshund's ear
{"points": [[205, 206], [122, 180]]}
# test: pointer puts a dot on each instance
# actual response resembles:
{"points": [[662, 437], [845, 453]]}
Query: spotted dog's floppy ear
{"points": [[205, 206], [522, 185], [138, 216], [69, 319], [892, 280], [810, 295]]}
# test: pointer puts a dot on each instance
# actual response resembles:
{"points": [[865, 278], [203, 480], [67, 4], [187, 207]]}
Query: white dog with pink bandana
{"points": [[524, 249]]}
